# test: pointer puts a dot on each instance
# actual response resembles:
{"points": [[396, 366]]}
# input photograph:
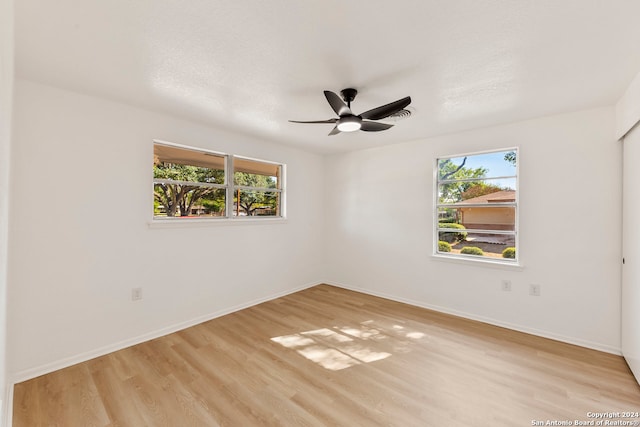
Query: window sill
{"points": [[490, 263], [190, 223]]}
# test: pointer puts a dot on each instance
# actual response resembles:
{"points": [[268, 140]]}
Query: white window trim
{"points": [[473, 259], [478, 261], [208, 222], [228, 218], [233, 187]]}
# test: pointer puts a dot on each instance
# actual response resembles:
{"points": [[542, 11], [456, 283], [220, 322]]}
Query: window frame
{"points": [[228, 186], [279, 190], [437, 206]]}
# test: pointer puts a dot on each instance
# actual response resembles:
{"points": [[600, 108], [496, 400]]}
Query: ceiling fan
{"points": [[349, 122]]}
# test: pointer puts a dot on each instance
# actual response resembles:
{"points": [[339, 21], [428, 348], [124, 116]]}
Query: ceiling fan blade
{"points": [[334, 131], [386, 110], [315, 121], [374, 126], [336, 103]]}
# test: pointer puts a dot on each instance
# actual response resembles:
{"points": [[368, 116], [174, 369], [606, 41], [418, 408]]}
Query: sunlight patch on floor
{"points": [[328, 358], [361, 333], [415, 335], [328, 335], [335, 349]]}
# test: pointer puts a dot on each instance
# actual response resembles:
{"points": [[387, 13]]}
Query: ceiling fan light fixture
{"points": [[349, 124], [367, 121]]}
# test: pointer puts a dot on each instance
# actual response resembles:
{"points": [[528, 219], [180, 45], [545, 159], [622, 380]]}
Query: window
{"points": [[257, 188], [476, 208], [192, 183]]}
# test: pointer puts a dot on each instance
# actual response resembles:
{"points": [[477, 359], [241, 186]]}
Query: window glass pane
{"points": [[196, 183], [448, 215], [187, 201], [487, 165], [489, 218], [486, 191], [251, 173], [478, 218], [256, 203], [488, 245], [475, 184], [178, 164]]}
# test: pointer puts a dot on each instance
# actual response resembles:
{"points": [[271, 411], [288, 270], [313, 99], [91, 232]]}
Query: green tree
{"points": [[447, 170], [180, 197], [252, 200], [511, 157], [214, 202], [479, 189]]}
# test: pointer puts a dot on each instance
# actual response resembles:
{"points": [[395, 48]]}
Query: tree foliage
{"points": [[479, 189], [179, 198], [252, 200], [511, 157], [447, 170]]}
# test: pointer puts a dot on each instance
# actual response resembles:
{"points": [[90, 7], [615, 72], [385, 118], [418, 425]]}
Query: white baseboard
{"points": [[7, 407], [488, 320], [30, 373]]}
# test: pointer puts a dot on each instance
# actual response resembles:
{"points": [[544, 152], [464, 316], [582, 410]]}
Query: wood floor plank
{"points": [[329, 356], [121, 412]]}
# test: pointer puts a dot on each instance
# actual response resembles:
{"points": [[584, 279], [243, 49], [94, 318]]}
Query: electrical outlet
{"points": [[506, 285], [534, 290], [136, 294]]}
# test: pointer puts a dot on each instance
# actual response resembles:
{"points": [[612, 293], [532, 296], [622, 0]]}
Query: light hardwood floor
{"points": [[328, 356]]}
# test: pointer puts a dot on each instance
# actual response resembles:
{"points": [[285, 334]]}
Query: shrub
{"points": [[444, 246], [472, 250], [509, 253], [448, 220], [450, 236]]}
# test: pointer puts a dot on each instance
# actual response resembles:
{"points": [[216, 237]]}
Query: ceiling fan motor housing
{"points": [[348, 95]]}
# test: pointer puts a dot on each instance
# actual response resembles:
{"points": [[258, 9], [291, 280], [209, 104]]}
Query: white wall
{"points": [[628, 108], [6, 105], [379, 222], [81, 199]]}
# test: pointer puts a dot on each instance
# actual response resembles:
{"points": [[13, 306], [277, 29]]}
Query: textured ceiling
{"points": [[249, 66]]}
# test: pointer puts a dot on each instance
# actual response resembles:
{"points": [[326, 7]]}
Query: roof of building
{"points": [[497, 197]]}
